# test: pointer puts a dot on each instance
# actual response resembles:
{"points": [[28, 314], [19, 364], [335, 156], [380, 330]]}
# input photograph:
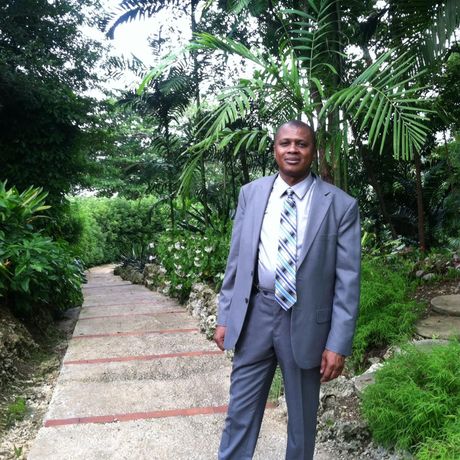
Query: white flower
{"points": [[196, 263], [177, 245], [179, 286], [151, 245], [208, 249], [151, 258]]}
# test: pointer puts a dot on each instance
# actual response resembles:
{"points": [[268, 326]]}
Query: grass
{"points": [[387, 314], [415, 402], [15, 412]]}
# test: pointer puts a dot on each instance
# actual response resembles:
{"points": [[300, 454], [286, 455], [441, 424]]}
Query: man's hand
{"points": [[219, 336], [331, 365]]}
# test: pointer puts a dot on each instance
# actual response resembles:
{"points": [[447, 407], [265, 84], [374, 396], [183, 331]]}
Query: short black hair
{"points": [[297, 124]]}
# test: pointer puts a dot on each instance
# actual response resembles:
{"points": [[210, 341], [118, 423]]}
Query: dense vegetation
{"points": [[421, 391], [151, 174], [35, 270]]}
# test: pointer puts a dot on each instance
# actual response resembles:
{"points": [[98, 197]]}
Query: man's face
{"points": [[294, 153]]}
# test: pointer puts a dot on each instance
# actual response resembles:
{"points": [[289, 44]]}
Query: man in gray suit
{"points": [[290, 295]]}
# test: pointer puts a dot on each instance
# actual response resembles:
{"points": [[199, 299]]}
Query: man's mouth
{"points": [[292, 160]]}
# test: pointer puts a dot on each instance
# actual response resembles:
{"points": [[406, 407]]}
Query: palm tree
{"points": [[382, 103], [135, 9], [163, 100]]}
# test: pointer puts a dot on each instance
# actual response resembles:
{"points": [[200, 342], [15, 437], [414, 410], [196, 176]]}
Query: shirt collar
{"points": [[300, 189]]}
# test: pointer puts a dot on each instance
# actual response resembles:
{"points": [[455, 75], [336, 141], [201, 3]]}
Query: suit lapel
{"points": [[260, 202], [321, 200]]}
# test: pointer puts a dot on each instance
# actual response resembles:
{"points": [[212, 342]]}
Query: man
{"points": [[290, 295]]}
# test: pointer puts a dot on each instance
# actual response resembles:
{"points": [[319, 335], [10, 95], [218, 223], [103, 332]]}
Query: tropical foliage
{"points": [[35, 271], [415, 401]]}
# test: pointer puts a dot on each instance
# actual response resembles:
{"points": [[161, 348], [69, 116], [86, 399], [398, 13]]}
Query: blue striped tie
{"points": [[285, 277]]}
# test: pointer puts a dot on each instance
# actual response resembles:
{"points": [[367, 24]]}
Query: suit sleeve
{"points": [[226, 292], [347, 283]]}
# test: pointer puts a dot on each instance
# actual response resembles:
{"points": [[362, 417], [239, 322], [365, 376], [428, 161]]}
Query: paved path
{"points": [[444, 319], [140, 382]]}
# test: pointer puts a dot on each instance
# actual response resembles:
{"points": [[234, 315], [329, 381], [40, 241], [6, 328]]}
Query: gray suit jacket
{"points": [[328, 271]]}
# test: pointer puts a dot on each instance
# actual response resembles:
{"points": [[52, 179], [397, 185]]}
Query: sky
{"points": [[132, 39]]}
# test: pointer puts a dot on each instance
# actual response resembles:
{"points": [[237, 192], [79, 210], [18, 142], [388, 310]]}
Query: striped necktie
{"points": [[285, 277]]}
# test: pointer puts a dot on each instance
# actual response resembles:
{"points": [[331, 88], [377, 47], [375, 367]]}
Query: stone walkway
{"points": [[444, 320], [140, 382]]}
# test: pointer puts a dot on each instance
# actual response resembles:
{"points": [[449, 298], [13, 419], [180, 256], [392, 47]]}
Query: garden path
{"points": [[139, 381], [444, 319]]}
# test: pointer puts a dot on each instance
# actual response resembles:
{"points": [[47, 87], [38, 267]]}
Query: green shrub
{"points": [[15, 412], [387, 315], [188, 258], [415, 402], [445, 447], [110, 227], [34, 269]]}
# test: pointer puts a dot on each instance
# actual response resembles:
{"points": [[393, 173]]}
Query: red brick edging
{"points": [[140, 415]]}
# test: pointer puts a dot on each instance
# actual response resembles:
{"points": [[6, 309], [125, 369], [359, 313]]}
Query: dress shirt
{"points": [[269, 235]]}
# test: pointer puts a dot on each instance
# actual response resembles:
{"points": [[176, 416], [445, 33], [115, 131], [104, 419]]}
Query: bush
{"points": [[188, 258], [415, 402], [445, 447], [110, 227], [34, 269], [387, 315]]}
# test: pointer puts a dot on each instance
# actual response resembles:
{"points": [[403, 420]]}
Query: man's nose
{"points": [[293, 148]]}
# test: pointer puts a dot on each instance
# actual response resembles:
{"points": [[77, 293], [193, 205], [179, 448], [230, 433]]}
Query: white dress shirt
{"points": [[269, 235]]}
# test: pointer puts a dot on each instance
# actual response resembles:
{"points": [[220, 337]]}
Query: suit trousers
{"points": [[264, 342]]}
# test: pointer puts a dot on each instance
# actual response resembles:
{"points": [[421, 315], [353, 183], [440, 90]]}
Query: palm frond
{"points": [[384, 99], [312, 34], [212, 42], [424, 26], [130, 10], [237, 6], [164, 65], [118, 65]]}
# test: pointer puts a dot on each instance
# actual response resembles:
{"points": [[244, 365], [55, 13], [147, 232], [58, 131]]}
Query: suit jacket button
{"points": [[252, 273], [246, 300]]}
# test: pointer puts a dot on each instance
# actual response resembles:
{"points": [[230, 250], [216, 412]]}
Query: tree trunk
{"points": [[244, 166], [420, 210], [373, 180], [325, 170], [232, 177], [170, 182], [196, 79]]}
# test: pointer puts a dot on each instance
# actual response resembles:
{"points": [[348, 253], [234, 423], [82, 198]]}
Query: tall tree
{"points": [[45, 66]]}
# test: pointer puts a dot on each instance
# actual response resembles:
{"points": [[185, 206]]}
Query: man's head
{"points": [[295, 148]]}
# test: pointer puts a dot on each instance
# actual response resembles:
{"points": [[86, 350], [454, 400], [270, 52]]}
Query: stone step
{"points": [[439, 327], [447, 304], [121, 324], [112, 346], [186, 438], [77, 398], [169, 371]]}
